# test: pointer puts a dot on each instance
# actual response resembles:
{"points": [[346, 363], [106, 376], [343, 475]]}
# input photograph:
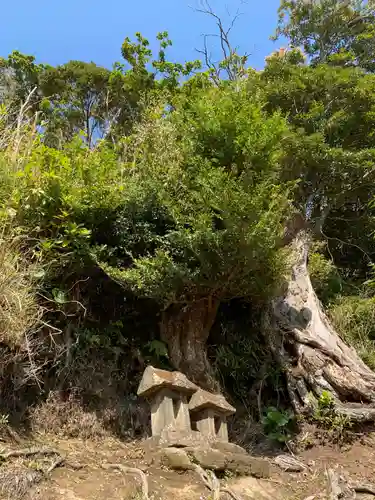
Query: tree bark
{"points": [[185, 330], [315, 358]]}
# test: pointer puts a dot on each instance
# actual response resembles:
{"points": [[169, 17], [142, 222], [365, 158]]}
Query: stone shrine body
{"points": [[179, 406]]}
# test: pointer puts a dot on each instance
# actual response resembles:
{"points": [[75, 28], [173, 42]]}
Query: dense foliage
{"points": [[138, 193]]}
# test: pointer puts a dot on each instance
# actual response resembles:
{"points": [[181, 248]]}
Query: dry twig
{"points": [[131, 470], [213, 484]]}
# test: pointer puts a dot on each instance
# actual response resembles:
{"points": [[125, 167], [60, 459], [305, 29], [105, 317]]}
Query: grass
{"points": [[19, 308], [70, 417], [354, 319]]}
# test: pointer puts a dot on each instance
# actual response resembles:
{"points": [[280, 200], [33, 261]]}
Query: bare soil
{"points": [[82, 477]]}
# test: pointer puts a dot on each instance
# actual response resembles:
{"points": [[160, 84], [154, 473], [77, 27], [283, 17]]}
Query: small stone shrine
{"points": [[209, 414], [189, 427], [168, 393]]}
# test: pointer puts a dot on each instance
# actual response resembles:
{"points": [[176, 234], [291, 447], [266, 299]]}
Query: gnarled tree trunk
{"points": [[185, 329], [314, 355]]}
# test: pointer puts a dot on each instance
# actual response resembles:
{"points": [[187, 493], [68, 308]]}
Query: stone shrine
{"points": [[209, 414], [204, 416], [168, 393], [189, 427]]}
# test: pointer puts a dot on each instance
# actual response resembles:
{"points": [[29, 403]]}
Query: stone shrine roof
{"points": [[154, 379], [203, 399]]}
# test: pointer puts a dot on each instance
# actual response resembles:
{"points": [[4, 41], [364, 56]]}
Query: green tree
{"points": [[204, 216], [19, 86], [341, 32], [330, 153], [76, 98]]}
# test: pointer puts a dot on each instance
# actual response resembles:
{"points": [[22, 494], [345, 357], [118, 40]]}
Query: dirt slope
{"points": [[82, 476]]}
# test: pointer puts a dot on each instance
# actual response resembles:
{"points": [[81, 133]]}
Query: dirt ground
{"points": [[82, 476]]}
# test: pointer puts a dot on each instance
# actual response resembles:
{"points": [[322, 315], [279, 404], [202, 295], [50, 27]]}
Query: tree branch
{"points": [[233, 68]]}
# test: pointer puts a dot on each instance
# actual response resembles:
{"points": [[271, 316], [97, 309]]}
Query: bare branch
{"points": [[231, 63]]}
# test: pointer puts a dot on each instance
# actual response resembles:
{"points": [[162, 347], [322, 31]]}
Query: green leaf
{"points": [[158, 348], [59, 296]]}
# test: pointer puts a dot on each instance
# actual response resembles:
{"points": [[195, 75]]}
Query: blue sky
{"points": [[93, 30]]}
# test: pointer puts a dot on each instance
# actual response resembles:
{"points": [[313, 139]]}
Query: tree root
{"points": [[28, 452], [59, 461], [334, 489], [13, 434], [303, 340], [364, 488], [15, 483], [131, 470], [230, 492], [340, 488], [213, 484]]}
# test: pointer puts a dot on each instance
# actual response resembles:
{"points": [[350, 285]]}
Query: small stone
{"points": [[175, 458], [208, 458], [246, 465], [289, 463]]}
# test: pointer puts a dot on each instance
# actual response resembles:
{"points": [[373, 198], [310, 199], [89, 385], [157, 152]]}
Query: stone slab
{"points": [[154, 379], [202, 400], [176, 439], [246, 465], [208, 458]]}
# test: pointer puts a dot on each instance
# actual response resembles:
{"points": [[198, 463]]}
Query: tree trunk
{"points": [[315, 357], [185, 330]]}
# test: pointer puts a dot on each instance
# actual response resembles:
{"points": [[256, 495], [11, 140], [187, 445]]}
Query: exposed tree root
{"points": [[59, 461], [364, 488], [230, 492], [132, 470], [213, 484], [28, 452], [334, 489], [16, 480], [314, 356], [340, 488], [13, 434]]}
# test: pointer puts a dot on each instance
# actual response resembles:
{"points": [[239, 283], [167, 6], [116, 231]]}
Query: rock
{"points": [[225, 447], [246, 465], [203, 399], [208, 458], [176, 458], [250, 488], [289, 463], [154, 379]]}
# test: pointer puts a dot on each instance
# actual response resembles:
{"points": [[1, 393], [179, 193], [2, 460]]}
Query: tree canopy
{"points": [[185, 186]]}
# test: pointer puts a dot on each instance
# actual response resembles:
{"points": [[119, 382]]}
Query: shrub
{"points": [[203, 201], [354, 318], [326, 416], [324, 277], [19, 308], [278, 424]]}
